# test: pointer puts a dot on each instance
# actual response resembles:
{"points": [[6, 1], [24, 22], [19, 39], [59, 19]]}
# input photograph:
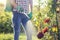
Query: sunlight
{"points": [[35, 2], [3, 2], [42, 3]]}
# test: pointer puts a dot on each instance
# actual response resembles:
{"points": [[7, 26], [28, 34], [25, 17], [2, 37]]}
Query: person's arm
{"points": [[31, 4], [13, 3], [30, 9]]}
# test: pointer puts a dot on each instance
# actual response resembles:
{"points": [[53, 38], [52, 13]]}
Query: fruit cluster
{"points": [[47, 20], [41, 34]]}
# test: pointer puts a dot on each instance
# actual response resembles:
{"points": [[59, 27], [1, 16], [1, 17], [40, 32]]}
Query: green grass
{"points": [[10, 37]]}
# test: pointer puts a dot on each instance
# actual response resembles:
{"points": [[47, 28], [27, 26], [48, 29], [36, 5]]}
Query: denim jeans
{"points": [[19, 18]]}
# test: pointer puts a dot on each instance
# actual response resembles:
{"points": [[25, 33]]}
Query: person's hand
{"points": [[30, 15], [13, 3]]}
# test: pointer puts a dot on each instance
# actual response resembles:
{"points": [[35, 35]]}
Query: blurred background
{"points": [[46, 13]]}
